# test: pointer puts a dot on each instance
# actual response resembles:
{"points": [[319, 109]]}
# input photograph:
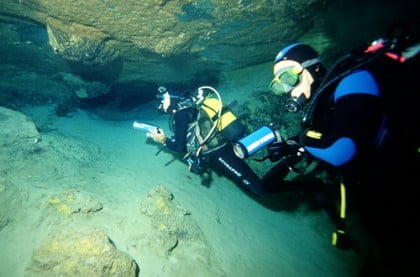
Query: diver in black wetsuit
{"points": [[191, 123]]}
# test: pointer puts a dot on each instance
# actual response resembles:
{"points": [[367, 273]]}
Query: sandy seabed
{"points": [[113, 164]]}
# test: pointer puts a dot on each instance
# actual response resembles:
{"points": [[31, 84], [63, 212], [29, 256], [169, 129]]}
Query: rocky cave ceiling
{"points": [[87, 47]]}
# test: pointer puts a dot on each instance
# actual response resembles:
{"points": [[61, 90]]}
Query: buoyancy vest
{"points": [[212, 129]]}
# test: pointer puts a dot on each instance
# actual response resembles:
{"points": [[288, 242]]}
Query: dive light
{"points": [[252, 143], [146, 127]]}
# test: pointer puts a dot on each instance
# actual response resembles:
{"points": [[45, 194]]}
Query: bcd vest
{"points": [[212, 129]]}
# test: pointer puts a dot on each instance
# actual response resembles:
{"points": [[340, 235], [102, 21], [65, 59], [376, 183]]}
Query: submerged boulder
{"points": [[175, 236], [88, 252], [16, 129], [74, 201], [173, 223]]}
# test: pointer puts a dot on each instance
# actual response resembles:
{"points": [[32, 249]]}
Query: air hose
{"points": [[199, 99], [219, 113]]}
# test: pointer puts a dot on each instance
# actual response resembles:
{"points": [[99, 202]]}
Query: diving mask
{"points": [[285, 80]]}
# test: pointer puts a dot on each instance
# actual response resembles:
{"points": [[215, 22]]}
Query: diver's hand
{"points": [[280, 149], [158, 137], [276, 150]]}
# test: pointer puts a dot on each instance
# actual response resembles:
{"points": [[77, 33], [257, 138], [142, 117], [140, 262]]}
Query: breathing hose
{"points": [[219, 113]]}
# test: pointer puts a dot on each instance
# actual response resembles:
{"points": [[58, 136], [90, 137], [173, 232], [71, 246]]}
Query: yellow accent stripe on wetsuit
{"points": [[313, 134]]}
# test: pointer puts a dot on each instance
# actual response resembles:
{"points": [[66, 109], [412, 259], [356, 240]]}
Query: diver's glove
{"points": [[158, 136], [279, 149]]}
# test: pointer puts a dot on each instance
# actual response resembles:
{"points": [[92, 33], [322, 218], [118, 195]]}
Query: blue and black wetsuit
{"points": [[352, 122], [364, 125], [366, 118]]}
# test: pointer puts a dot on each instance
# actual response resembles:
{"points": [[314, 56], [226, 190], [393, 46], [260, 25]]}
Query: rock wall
{"points": [[158, 41], [129, 44]]}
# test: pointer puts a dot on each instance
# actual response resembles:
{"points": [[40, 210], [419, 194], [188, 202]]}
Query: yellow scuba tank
{"points": [[228, 124]]}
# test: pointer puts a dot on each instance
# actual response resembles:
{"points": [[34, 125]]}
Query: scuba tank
{"points": [[227, 123]]}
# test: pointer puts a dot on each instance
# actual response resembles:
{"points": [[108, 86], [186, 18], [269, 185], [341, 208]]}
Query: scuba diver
{"points": [[358, 121], [203, 132]]}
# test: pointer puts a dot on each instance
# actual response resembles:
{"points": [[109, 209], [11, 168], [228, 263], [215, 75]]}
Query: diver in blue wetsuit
{"points": [[358, 117], [341, 124], [348, 113]]}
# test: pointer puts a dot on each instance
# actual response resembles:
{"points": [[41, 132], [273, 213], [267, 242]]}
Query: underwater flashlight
{"points": [[252, 143]]}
